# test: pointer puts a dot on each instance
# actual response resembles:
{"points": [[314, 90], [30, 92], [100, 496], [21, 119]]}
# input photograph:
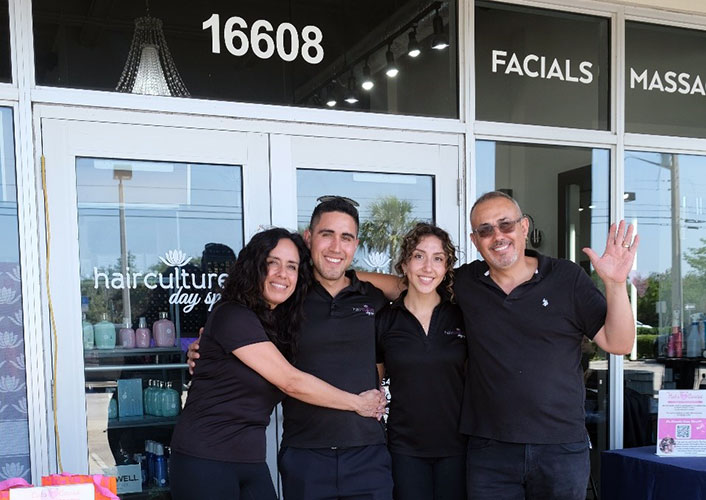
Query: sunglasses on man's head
{"points": [[331, 197], [505, 226]]}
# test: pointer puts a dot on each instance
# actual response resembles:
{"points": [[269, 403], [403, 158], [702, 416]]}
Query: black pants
{"points": [[358, 473], [194, 478], [422, 478], [514, 471]]}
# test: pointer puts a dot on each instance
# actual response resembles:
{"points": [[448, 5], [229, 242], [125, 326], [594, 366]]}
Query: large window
{"points": [[664, 198], [665, 83], [14, 444], [346, 54], [541, 67]]}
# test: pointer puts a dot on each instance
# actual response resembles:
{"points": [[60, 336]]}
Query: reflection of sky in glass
{"points": [[167, 206], [648, 177], [366, 188]]}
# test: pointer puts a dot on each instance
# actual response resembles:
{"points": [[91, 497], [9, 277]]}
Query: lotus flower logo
{"points": [[8, 296], [8, 383], [21, 406], [9, 340], [175, 258], [13, 469], [19, 362], [377, 260], [15, 274], [17, 319]]}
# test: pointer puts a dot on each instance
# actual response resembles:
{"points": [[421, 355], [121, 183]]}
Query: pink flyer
{"points": [[681, 424]]}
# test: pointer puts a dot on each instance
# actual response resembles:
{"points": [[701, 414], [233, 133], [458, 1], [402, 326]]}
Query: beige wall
{"points": [[690, 6]]}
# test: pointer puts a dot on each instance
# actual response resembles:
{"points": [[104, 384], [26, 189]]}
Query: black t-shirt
{"points": [[336, 344], [524, 381], [426, 379], [229, 404]]}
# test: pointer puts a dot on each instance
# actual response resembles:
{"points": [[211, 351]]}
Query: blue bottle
{"points": [[160, 467], [149, 458], [147, 397]]}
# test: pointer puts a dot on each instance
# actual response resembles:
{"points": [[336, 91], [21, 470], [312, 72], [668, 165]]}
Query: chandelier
{"points": [[149, 68]]}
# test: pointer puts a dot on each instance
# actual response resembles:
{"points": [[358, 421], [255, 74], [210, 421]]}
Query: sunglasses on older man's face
{"points": [[505, 226]]}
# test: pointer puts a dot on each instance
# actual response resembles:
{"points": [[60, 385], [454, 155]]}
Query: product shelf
{"points": [[140, 421]]}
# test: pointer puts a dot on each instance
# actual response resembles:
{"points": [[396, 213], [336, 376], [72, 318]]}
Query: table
{"points": [[639, 474]]}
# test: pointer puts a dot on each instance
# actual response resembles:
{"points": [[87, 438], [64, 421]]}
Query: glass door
{"points": [[144, 222], [395, 184]]}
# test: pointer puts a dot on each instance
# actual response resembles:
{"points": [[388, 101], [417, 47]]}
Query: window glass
{"points": [[542, 67], [300, 53], [664, 198], [14, 444], [155, 242], [565, 193], [665, 84], [5, 64], [390, 205]]}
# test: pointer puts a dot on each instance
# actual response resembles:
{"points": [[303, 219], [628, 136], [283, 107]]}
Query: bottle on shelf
{"points": [[676, 339], [157, 399], [171, 402], [143, 336], [164, 331], [146, 397], [149, 457], [104, 333], [89, 339], [160, 466], [127, 334], [693, 341]]}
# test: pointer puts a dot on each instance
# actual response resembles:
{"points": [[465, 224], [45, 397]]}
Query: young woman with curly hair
{"points": [[218, 445], [422, 344]]}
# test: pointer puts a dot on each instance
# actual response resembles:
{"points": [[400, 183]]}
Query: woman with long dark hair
{"points": [[218, 445], [422, 344]]}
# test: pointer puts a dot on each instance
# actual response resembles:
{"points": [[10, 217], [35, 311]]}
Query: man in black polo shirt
{"points": [[526, 315], [330, 454]]}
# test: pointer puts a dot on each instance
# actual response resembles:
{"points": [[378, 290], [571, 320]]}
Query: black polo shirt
{"points": [[426, 374], [229, 404], [524, 380], [336, 344]]}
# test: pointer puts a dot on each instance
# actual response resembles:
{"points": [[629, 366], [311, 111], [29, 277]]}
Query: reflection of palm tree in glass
{"points": [[389, 220]]}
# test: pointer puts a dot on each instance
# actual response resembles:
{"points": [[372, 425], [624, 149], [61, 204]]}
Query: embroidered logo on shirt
{"points": [[457, 332], [366, 309], [545, 302]]}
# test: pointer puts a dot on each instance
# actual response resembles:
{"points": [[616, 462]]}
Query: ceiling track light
{"points": [[331, 96], [439, 41], [413, 49], [352, 92], [391, 70], [367, 83]]}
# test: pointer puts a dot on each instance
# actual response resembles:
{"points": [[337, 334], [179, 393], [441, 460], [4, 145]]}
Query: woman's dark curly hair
{"points": [[246, 278], [412, 239]]}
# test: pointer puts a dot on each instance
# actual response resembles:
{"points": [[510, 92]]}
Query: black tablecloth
{"points": [[639, 474]]}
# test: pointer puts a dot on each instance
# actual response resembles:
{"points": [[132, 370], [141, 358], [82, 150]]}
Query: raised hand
{"points": [[616, 262]]}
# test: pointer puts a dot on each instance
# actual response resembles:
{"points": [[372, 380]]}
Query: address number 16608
{"points": [[261, 41]]}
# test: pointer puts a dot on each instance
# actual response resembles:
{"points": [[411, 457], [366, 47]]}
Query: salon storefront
{"points": [[141, 143]]}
